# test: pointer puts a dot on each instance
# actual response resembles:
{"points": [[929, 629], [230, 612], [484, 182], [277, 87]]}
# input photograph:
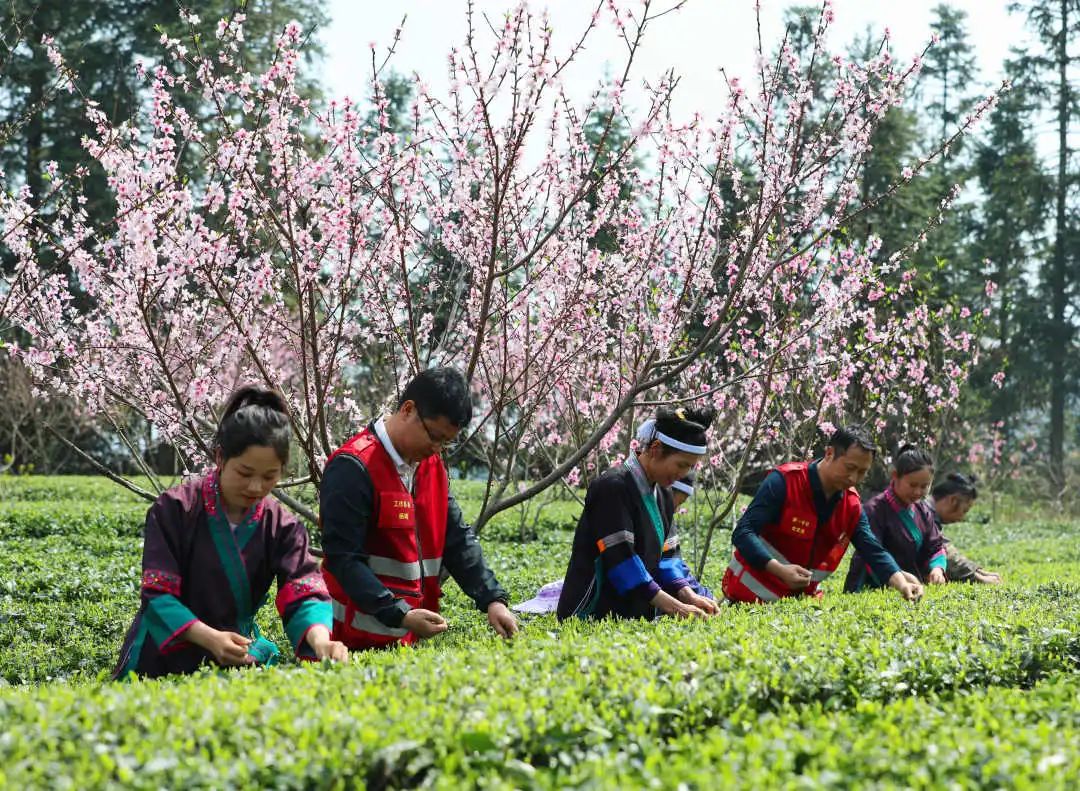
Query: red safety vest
{"points": [[405, 542], [796, 538]]}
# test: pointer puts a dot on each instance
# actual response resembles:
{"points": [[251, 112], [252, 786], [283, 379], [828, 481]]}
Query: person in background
{"points": [[795, 531], [681, 491], [904, 524], [950, 501]]}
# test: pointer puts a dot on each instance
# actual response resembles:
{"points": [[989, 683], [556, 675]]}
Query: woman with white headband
{"points": [[625, 561], [547, 599], [681, 491]]}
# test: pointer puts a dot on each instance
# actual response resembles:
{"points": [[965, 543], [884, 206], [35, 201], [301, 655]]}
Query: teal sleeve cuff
{"points": [[939, 561], [166, 619], [310, 613]]}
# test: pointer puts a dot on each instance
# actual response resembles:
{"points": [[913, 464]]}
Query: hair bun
{"points": [[957, 483], [911, 458], [254, 416], [703, 416], [684, 427], [251, 395]]}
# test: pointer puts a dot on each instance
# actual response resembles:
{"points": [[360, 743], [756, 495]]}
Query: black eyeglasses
{"points": [[444, 444]]}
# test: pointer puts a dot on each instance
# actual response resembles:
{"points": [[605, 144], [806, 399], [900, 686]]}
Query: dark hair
{"points": [[910, 458], [685, 425], [254, 416], [440, 392], [956, 483], [844, 437]]}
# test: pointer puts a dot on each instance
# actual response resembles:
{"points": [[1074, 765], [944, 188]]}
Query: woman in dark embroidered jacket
{"points": [[904, 523], [212, 548], [625, 560]]}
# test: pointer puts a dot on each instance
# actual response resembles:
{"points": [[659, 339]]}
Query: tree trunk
{"points": [[35, 127], [1000, 406], [1060, 331]]}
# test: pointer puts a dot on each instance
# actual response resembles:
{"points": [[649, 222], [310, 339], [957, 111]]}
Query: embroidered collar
{"points": [[649, 496], [211, 489], [229, 544], [894, 501], [640, 478]]}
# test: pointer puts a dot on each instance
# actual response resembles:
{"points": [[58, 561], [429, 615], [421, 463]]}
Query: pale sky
{"points": [[696, 41]]}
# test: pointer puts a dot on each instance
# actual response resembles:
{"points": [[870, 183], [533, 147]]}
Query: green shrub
{"points": [[553, 698], [986, 738], [83, 488], [973, 687], [33, 519]]}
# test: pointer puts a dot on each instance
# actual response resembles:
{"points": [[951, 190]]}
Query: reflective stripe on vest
{"points": [[365, 623], [389, 567], [372, 625], [816, 575], [749, 582]]}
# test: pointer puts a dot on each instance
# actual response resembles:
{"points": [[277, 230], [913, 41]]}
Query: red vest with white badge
{"points": [[405, 541], [796, 538]]}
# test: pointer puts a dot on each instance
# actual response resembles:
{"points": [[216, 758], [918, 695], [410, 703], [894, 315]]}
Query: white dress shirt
{"points": [[404, 469]]}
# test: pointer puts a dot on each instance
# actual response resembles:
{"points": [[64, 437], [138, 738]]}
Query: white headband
{"points": [[679, 445], [683, 487], [647, 432]]}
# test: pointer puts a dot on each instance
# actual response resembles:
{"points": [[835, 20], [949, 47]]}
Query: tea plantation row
{"points": [[974, 687]]}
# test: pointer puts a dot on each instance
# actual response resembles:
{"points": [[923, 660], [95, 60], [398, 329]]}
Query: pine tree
{"points": [[102, 41], [1054, 23], [1009, 232]]}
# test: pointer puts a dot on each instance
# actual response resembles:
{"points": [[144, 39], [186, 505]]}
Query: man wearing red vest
{"points": [[794, 533], [390, 525]]}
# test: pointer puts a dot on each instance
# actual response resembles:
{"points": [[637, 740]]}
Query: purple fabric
{"points": [[545, 601], [178, 548]]}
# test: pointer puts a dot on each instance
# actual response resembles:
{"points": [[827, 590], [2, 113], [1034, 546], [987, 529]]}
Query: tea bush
{"points": [[973, 687]]}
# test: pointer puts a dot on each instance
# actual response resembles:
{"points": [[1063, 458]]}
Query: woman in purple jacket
{"points": [[213, 548], [904, 524]]}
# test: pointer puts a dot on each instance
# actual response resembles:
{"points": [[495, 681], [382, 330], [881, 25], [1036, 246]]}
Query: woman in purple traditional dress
{"points": [[212, 549]]}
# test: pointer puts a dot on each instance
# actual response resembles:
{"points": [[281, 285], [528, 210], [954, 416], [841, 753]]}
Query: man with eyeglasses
{"points": [[390, 526]]}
